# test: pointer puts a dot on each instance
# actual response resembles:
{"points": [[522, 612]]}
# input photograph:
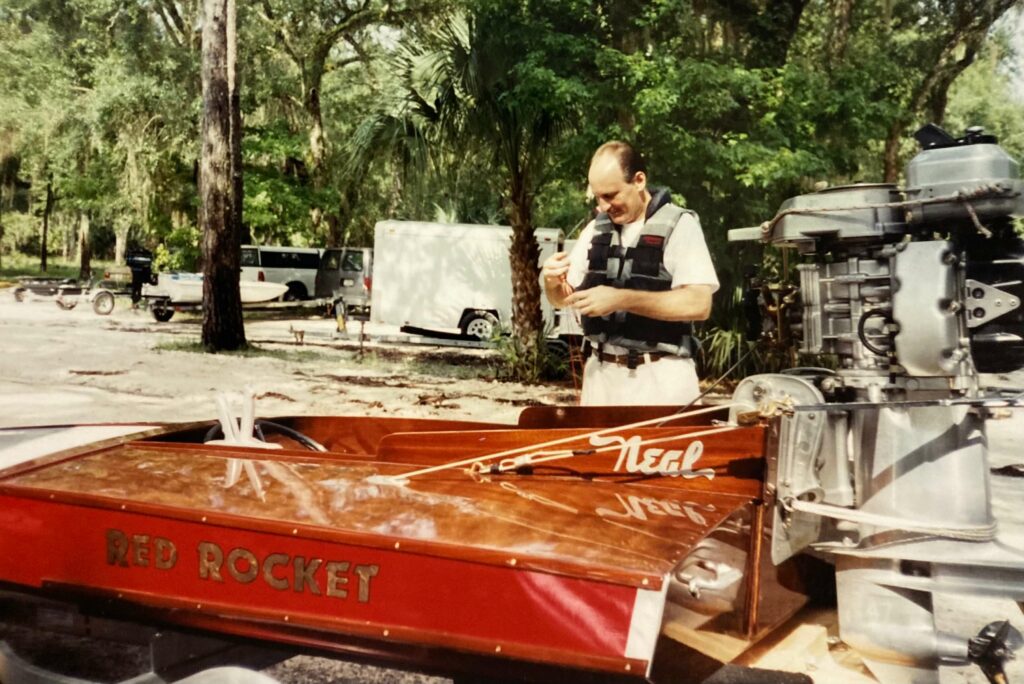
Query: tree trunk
{"points": [[234, 86], [121, 228], [223, 328], [68, 238], [891, 160], [47, 211], [84, 248], [322, 216], [9, 166], [317, 138], [839, 32], [524, 254]]}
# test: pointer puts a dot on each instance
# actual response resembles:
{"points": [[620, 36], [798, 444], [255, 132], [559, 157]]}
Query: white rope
{"points": [[978, 533], [394, 479], [529, 459]]}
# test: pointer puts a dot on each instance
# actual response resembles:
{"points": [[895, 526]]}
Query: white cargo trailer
{"points": [[448, 276]]}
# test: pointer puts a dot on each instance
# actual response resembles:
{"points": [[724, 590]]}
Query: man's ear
{"points": [[640, 180]]}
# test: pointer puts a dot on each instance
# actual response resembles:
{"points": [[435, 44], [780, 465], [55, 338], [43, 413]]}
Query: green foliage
{"points": [[249, 351], [278, 195], [179, 251], [978, 98], [562, 203], [528, 363], [492, 119], [17, 265]]}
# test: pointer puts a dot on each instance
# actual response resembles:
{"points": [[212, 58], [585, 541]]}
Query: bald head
{"points": [[628, 160], [618, 180]]}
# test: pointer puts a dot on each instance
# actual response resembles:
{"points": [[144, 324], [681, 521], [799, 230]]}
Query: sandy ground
{"points": [[59, 367], [73, 366]]}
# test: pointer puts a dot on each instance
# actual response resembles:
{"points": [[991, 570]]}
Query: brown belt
{"points": [[623, 359]]}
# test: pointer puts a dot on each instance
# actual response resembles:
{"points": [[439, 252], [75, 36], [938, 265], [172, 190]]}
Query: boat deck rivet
{"points": [[295, 531], [204, 519], [387, 632], [286, 618], [52, 496], [124, 507], [512, 561], [397, 544], [644, 582], [497, 649], [628, 667], [199, 606]]}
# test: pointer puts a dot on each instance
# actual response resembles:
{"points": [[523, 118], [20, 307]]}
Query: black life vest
{"points": [[640, 267]]}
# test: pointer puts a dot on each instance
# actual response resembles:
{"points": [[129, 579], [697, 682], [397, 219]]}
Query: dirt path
{"points": [[74, 366]]}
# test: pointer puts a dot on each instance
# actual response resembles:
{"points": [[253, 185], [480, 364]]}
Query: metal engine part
{"points": [[882, 463]]}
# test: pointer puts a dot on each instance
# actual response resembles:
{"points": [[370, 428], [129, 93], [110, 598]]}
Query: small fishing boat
{"points": [[184, 291], [187, 288]]}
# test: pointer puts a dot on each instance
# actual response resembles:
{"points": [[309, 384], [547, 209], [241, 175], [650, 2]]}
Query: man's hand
{"points": [[554, 271], [556, 266], [597, 301], [684, 303]]}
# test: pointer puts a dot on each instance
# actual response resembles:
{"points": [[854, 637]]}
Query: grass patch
{"points": [[249, 351], [482, 370], [18, 265]]}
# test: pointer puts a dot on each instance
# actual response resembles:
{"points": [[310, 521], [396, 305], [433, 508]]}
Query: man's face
{"points": [[623, 200]]}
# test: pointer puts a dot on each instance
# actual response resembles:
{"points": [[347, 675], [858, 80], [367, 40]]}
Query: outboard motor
{"points": [[882, 463], [140, 261]]}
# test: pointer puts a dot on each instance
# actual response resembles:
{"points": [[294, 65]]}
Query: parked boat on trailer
{"points": [[184, 291]]}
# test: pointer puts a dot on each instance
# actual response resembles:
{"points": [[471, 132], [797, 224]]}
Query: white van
{"points": [[292, 266], [346, 273]]}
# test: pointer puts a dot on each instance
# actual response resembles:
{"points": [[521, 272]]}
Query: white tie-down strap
{"points": [[645, 624], [975, 533], [240, 433]]}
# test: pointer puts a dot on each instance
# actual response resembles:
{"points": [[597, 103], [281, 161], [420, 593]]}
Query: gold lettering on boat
{"points": [[365, 574], [140, 546], [279, 571], [210, 560], [252, 566], [140, 550], [304, 574], [269, 563], [166, 553], [315, 576], [336, 578]]}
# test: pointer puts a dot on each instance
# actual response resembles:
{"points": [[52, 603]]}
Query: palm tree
{"points": [[464, 87]]}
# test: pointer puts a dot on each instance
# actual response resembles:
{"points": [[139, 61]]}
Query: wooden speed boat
{"points": [[561, 543]]}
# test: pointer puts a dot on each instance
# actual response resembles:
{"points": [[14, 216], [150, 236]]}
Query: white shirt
{"points": [[686, 254], [668, 380]]}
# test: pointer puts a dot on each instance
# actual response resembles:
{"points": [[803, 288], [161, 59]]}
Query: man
{"points": [[637, 276]]}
